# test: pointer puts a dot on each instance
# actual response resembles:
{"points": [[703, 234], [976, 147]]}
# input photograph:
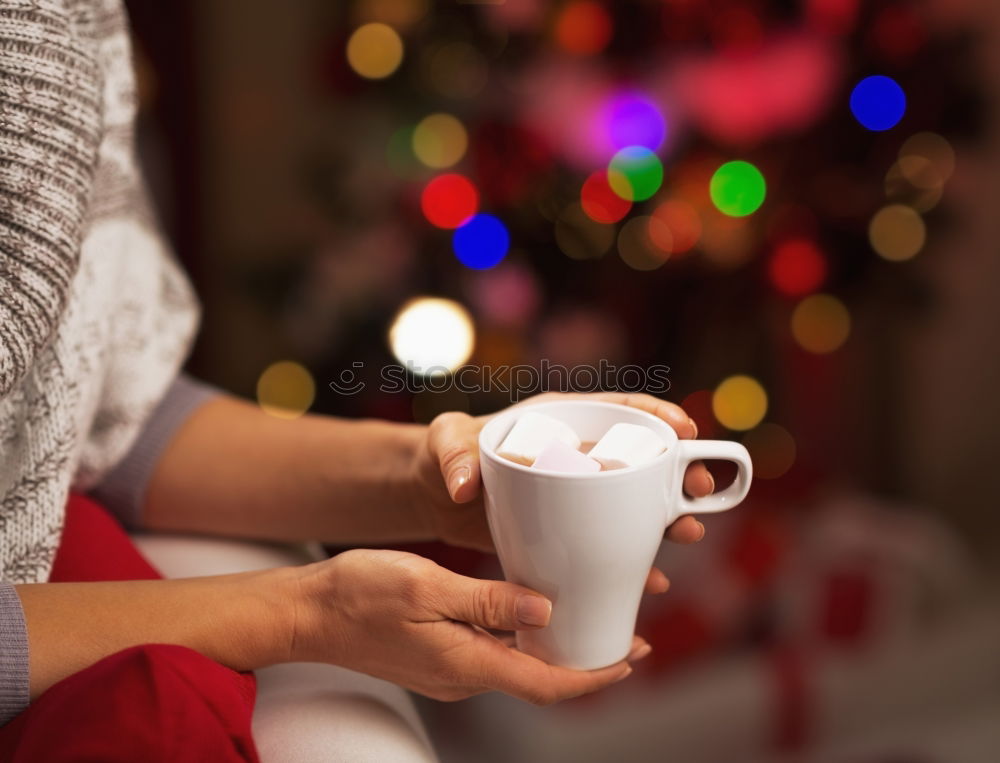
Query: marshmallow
{"points": [[627, 445], [559, 457], [531, 433]]}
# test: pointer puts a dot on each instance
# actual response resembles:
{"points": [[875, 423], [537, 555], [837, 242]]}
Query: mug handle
{"points": [[721, 450]]}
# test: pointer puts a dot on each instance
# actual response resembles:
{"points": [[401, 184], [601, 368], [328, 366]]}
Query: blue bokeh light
{"points": [[633, 120], [878, 102], [481, 242]]}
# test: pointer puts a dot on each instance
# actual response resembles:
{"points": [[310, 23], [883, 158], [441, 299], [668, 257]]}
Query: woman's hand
{"points": [[403, 618], [448, 481]]}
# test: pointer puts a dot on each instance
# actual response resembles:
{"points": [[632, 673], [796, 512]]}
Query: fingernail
{"points": [[623, 676], [639, 652], [702, 531], [694, 426], [458, 478], [711, 480], [533, 611]]}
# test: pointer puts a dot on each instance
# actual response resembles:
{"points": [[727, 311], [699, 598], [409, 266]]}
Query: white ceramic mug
{"points": [[587, 541]]}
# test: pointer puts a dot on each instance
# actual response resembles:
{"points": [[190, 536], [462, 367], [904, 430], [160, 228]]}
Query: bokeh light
{"points": [[727, 242], [634, 120], [507, 295], [897, 232], [374, 51], [449, 200], [683, 222], [638, 248], [772, 450], [583, 27], [739, 403], [285, 390], [878, 102], [431, 336], [936, 150], [455, 69], [440, 140], [580, 237], [399, 154], [398, 13], [481, 242], [737, 188], [821, 323], [797, 267], [635, 173], [600, 202], [914, 182]]}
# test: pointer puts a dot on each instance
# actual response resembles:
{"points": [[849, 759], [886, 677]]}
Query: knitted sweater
{"points": [[95, 317]]}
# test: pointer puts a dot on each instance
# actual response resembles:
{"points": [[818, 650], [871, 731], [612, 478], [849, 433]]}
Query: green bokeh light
{"points": [[737, 189], [635, 173]]}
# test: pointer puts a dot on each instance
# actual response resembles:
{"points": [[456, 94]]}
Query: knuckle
{"points": [[487, 605]]}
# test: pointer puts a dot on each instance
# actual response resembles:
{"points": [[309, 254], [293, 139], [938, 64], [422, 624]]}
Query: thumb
{"points": [[454, 441], [493, 603]]}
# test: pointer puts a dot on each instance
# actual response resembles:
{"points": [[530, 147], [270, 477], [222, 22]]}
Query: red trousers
{"points": [[155, 702]]}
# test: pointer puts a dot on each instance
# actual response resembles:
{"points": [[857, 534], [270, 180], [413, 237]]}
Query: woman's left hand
{"points": [[448, 493]]}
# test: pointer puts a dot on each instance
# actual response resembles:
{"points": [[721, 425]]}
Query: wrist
{"points": [[268, 605]]}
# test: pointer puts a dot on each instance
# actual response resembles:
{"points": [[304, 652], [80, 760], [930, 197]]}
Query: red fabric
{"points": [[155, 702]]}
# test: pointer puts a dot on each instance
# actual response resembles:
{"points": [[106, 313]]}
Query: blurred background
{"points": [[792, 204]]}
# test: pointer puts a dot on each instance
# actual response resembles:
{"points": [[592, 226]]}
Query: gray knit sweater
{"points": [[95, 317]]}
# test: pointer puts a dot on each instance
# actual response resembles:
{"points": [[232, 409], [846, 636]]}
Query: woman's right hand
{"points": [[403, 618]]}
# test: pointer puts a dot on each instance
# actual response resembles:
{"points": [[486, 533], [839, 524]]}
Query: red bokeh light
{"points": [[683, 221], [797, 267], [583, 28], [449, 200], [600, 202]]}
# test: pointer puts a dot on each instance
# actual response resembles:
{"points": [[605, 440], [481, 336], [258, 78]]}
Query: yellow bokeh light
{"points": [[285, 390], [821, 323], [897, 232], [374, 51], [914, 182], [440, 140], [644, 243], [739, 403], [399, 13], [772, 450], [581, 238], [432, 336], [932, 148]]}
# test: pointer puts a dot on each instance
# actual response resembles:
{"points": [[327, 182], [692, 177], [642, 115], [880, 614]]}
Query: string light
{"points": [[896, 232], [432, 336], [440, 141], [635, 173], [821, 323], [737, 188], [739, 403], [481, 242], [374, 51], [449, 200], [285, 390], [878, 102]]}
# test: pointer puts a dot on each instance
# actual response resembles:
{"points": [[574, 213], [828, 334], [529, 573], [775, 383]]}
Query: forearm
{"points": [[244, 621], [233, 470]]}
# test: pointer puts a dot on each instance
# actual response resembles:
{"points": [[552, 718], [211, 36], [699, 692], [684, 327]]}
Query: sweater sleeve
{"points": [[123, 490], [14, 695], [50, 122]]}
